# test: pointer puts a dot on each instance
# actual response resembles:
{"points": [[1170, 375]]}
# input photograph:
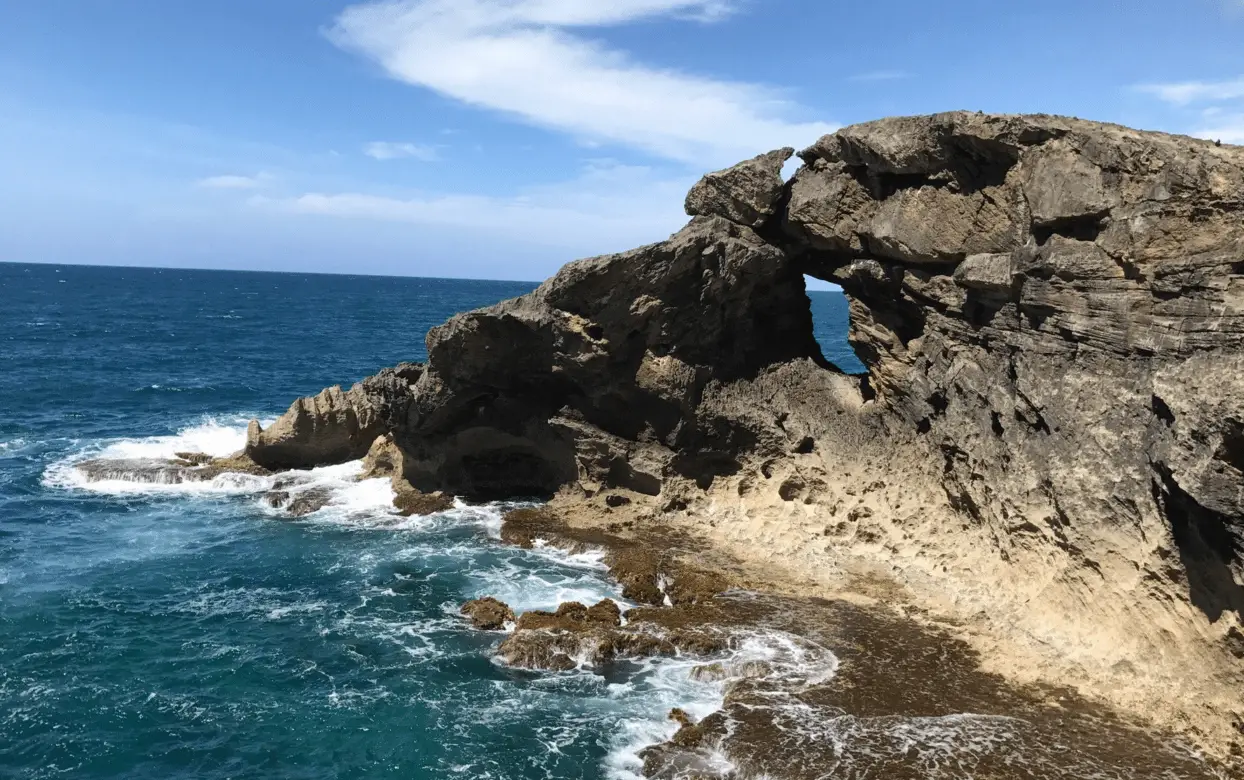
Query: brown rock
{"points": [[384, 459], [334, 426], [747, 193], [413, 502], [521, 527], [573, 616], [694, 587], [638, 571], [488, 614], [197, 468], [308, 501]]}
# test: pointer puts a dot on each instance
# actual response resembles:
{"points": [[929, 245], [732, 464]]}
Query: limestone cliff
{"points": [[1049, 440]]}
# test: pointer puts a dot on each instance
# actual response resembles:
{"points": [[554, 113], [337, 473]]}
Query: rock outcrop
{"points": [[488, 613], [749, 193], [1049, 437], [334, 426], [182, 468], [576, 634]]}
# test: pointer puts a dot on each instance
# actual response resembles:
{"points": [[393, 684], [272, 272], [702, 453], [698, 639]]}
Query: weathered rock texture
{"points": [[334, 426], [1049, 439], [488, 614]]}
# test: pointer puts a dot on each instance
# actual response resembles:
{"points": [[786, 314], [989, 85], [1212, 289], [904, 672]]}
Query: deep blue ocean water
{"points": [[160, 632]]}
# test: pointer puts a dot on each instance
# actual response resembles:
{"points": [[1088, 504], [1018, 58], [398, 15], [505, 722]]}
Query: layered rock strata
{"points": [[1048, 443]]}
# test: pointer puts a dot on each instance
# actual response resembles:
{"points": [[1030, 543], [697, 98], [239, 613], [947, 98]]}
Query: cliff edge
{"points": [[1048, 443]]}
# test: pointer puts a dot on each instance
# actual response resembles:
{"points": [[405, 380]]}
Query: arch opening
{"points": [[831, 320]]}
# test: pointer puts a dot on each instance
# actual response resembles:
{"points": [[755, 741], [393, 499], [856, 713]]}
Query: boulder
{"points": [[415, 502], [747, 193], [488, 614]]}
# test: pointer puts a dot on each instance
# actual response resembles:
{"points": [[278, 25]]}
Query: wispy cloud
{"points": [[880, 75], [608, 207], [1208, 109], [234, 182], [1228, 129], [1183, 93], [528, 59], [389, 150]]}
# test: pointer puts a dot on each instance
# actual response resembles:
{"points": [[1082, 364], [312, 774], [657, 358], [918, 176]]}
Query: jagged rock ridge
{"points": [[1050, 433]]}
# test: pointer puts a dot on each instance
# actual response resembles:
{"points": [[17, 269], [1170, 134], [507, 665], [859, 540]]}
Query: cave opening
{"points": [[831, 321]]}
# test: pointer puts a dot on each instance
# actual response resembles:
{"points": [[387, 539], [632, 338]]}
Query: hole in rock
{"points": [[831, 321], [1083, 228]]}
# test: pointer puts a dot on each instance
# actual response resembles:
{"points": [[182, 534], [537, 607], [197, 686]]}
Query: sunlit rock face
{"points": [[1051, 430]]}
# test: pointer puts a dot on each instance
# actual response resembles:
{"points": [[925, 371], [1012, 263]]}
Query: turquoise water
{"points": [[151, 631]]}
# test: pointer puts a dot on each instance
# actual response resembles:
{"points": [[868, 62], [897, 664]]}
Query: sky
{"points": [[499, 139]]}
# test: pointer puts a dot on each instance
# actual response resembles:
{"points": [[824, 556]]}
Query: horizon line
{"points": [[298, 273]]}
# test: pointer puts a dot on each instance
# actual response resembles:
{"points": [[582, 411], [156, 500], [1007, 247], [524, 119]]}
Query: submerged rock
{"points": [[576, 634], [414, 502], [309, 501], [185, 467]]}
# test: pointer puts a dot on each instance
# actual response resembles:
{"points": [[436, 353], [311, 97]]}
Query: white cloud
{"points": [[233, 182], [388, 150], [1213, 109], [1229, 130], [523, 58], [607, 208], [1183, 93]]}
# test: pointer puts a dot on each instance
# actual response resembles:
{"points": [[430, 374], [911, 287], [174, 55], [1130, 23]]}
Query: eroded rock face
{"points": [[386, 459], [334, 426], [747, 194], [1039, 296], [1051, 312], [592, 378]]}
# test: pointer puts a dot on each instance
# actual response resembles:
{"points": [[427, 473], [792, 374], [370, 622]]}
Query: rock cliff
{"points": [[1049, 440]]}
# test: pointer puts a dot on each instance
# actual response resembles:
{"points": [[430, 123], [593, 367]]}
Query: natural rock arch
{"points": [[1051, 312]]}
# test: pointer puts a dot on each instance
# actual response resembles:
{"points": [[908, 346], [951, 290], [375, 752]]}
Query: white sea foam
{"points": [[268, 603], [789, 661], [351, 500], [11, 447], [213, 436], [545, 582], [539, 578]]}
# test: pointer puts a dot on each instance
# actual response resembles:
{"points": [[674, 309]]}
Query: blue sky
{"points": [[501, 138]]}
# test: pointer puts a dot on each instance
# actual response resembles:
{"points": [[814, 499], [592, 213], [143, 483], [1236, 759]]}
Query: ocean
{"points": [[185, 631]]}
